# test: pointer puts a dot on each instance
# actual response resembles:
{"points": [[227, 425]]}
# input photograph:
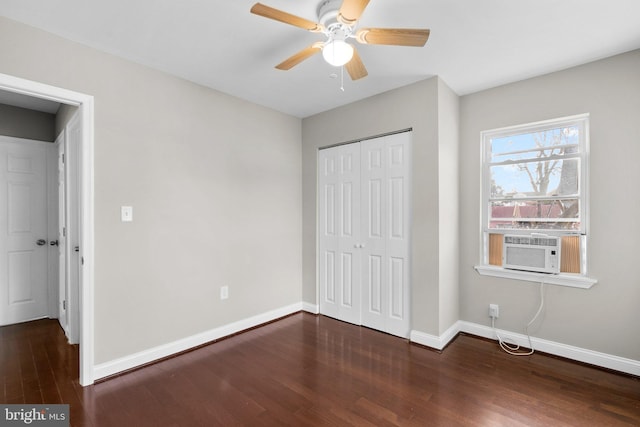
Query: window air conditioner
{"points": [[540, 253]]}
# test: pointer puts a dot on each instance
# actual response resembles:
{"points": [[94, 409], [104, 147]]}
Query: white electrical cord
{"points": [[513, 348]]}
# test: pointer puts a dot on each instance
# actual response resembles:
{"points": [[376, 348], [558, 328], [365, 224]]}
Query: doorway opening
{"points": [[85, 105]]}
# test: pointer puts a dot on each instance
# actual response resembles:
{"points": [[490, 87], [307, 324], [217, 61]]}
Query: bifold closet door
{"points": [[339, 232], [385, 225], [363, 233]]}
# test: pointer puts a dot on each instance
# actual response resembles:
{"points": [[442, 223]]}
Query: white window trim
{"points": [[563, 279]]}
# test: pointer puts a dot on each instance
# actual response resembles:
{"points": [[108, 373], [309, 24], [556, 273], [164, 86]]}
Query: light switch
{"points": [[126, 213]]}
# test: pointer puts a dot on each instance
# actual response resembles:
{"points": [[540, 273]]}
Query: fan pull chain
{"points": [[342, 78]]}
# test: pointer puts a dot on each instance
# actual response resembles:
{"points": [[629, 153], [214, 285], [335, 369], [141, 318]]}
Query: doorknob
{"points": [[53, 243], [41, 242]]}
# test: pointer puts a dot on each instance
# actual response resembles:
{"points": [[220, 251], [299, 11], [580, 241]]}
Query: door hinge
{"points": [[64, 231], [64, 304], [82, 260], [63, 158]]}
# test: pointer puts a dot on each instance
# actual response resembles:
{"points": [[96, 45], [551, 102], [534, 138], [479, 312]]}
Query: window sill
{"points": [[562, 279]]}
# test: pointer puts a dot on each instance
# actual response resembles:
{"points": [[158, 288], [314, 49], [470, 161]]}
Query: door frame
{"points": [[54, 226], [85, 104], [61, 220], [72, 224]]}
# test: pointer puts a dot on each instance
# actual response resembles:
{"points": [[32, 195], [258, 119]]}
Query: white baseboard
{"points": [[434, 341], [604, 360], [591, 357], [122, 364], [597, 358], [310, 308]]}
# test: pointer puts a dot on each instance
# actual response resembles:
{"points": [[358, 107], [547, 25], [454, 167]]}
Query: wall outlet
{"points": [[494, 311], [224, 292]]}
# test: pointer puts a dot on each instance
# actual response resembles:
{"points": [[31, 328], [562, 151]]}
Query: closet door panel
{"points": [[398, 244], [347, 279], [339, 232], [396, 288], [373, 288], [327, 231], [374, 205], [374, 222]]}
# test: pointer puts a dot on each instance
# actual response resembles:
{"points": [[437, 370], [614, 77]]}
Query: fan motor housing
{"points": [[328, 12]]}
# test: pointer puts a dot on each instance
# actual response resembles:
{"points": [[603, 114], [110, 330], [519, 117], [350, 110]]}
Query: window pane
{"points": [[535, 214], [535, 179], [559, 141]]}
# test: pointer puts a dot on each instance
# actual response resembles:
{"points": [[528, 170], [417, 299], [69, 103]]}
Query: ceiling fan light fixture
{"points": [[337, 52], [338, 22]]}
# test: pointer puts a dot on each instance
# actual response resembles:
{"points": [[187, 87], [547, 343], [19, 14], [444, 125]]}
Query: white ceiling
{"points": [[474, 44]]}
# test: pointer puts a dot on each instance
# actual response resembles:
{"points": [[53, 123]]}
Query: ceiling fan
{"points": [[337, 20]]}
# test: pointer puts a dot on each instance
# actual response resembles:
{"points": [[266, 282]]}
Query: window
{"points": [[534, 180]]}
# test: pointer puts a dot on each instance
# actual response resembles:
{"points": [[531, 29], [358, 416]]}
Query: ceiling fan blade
{"points": [[305, 53], [351, 10], [287, 18], [355, 67], [393, 36]]}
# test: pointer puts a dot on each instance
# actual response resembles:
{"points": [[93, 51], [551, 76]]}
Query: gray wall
{"points": [[64, 114], [415, 106], [448, 206], [215, 184], [23, 123], [605, 318]]}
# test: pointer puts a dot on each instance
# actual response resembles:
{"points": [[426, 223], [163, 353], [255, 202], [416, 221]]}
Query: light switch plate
{"points": [[126, 213]]}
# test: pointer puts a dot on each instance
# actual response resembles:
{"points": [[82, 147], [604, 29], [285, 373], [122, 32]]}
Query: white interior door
{"points": [[364, 233], [73, 136], [23, 231], [386, 179], [339, 232], [62, 237]]}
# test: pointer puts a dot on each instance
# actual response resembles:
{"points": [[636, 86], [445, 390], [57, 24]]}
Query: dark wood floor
{"points": [[310, 370]]}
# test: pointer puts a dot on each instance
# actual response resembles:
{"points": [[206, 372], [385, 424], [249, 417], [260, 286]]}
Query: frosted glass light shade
{"points": [[337, 52]]}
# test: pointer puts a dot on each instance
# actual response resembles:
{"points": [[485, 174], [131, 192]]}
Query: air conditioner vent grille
{"points": [[531, 241]]}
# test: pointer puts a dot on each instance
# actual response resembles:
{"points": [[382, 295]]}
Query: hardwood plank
{"points": [[308, 370]]}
